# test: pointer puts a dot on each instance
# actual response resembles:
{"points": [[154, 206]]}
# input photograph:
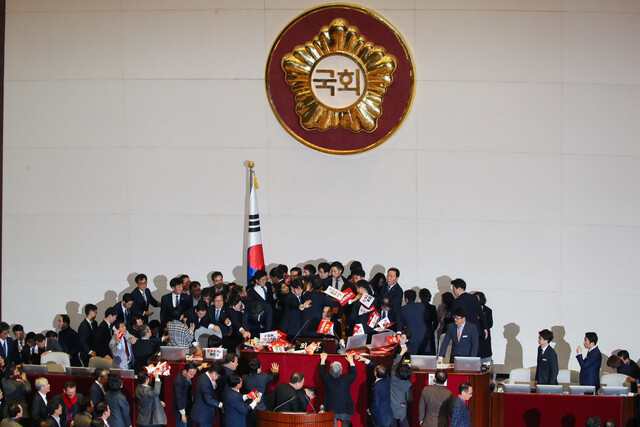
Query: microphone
{"points": [[282, 404], [305, 324]]}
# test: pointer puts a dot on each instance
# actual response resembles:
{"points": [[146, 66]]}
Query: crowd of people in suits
{"points": [[293, 301]]}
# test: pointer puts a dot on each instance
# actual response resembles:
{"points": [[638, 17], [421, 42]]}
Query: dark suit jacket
{"points": [[236, 322], [182, 395], [547, 367], [143, 349], [267, 305], [166, 306], [38, 410], [395, 294], [140, 305], [95, 394], [468, 344], [82, 420], [211, 318], [393, 318], [204, 409], [258, 381], [474, 311], [337, 391], [254, 326], [120, 313], [119, 409], [103, 335], [235, 409], [319, 300], [460, 416], [590, 367], [13, 356], [285, 399], [74, 409], [86, 339], [192, 317], [380, 408], [432, 320], [414, 318], [292, 317], [68, 339]]}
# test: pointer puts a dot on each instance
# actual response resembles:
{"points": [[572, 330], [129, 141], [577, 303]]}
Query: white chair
{"points": [[567, 376], [613, 380], [520, 375], [58, 357], [100, 362]]}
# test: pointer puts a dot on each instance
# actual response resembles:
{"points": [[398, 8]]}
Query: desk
{"points": [[516, 409], [308, 365], [479, 404], [83, 384], [275, 419]]}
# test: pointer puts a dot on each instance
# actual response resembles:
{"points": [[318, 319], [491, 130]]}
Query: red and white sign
{"points": [[325, 327]]}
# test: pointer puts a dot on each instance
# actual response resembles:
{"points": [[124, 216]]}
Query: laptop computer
{"points": [[516, 388], [582, 389], [357, 341], [549, 389], [467, 364], [380, 340], [614, 391], [35, 369], [173, 353], [124, 373], [78, 370], [424, 363]]}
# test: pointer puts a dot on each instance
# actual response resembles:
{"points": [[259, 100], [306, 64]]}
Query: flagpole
{"points": [[255, 257]]}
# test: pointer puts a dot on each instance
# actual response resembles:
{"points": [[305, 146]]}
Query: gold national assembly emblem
{"points": [[340, 79]]}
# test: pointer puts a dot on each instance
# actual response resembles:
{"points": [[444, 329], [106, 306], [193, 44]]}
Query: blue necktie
{"points": [[177, 301]]}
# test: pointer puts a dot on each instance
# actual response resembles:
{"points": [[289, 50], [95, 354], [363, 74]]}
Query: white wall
{"points": [[127, 125]]}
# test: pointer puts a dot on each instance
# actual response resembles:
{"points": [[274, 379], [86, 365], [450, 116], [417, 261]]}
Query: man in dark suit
{"points": [[258, 380], [44, 346], [217, 315], [414, 319], [380, 405], [104, 332], [338, 281], [463, 336], [337, 388], [142, 299], [432, 321], [235, 408], [86, 334], [69, 399], [84, 416], [254, 319], [205, 406], [388, 312], [175, 300], [68, 339], [286, 397], [144, 348], [7, 346], [97, 391], [471, 305], [197, 316], [392, 289], [547, 366], [123, 309], [460, 416], [262, 293], [39, 405], [230, 365], [182, 394], [293, 308], [628, 367], [314, 303], [590, 363]]}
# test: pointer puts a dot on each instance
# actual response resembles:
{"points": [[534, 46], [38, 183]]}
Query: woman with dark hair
{"points": [[431, 319], [445, 315], [484, 345], [376, 283], [118, 404]]}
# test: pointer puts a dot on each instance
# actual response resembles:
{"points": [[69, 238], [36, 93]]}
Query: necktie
{"points": [[336, 284], [126, 316], [4, 348], [299, 300], [217, 315], [144, 296], [177, 301], [459, 332], [126, 347]]}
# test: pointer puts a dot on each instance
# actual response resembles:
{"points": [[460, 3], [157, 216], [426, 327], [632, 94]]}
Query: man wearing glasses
{"points": [[460, 416], [463, 336]]}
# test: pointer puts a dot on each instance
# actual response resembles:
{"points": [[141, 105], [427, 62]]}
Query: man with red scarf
{"points": [[69, 399]]}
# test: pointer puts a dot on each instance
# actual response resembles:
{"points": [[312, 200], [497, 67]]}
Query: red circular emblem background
{"points": [[397, 100]]}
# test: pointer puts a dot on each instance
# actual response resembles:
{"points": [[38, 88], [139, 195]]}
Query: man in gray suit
{"points": [[150, 408], [435, 402]]}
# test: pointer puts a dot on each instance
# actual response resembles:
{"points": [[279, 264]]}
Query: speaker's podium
{"points": [[274, 419]]}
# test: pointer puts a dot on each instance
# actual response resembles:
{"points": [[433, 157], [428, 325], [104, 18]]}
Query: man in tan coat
{"points": [[435, 403]]}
